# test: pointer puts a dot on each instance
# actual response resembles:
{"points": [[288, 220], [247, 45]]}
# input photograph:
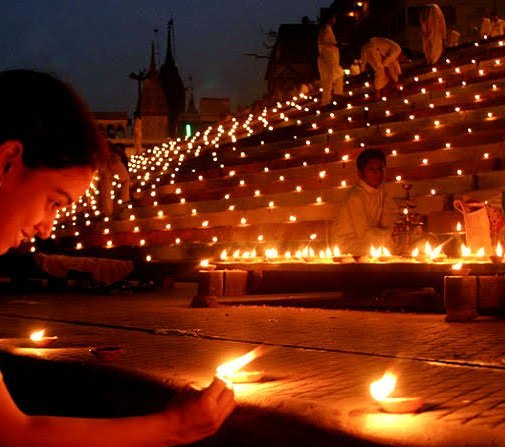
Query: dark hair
{"points": [[49, 119], [368, 155], [326, 15]]}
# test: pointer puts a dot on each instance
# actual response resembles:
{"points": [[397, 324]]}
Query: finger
{"points": [[215, 388], [225, 397], [225, 411]]}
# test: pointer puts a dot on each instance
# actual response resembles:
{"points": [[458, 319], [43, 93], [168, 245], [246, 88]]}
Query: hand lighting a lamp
{"points": [[382, 388]]}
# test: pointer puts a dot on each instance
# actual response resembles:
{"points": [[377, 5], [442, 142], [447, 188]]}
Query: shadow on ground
{"points": [[72, 389]]}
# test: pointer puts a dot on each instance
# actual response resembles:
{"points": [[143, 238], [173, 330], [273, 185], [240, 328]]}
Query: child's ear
{"points": [[10, 153]]}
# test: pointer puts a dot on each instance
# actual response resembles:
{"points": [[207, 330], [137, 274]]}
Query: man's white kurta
{"points": [[382, 55], [365, 219], [433, 32], [328, 62]]}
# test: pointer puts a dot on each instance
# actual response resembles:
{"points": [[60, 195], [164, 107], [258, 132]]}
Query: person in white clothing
{"points": [[328, 61], [382, 55], [367, 214], [433, 32]]}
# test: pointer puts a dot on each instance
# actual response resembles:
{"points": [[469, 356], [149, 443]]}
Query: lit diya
{"points": [[380, 254], [382, 388], [498, 256], [231, 371], [41, 340]]}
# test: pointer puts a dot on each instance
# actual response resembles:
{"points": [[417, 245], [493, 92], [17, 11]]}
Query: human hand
{"points": [[194, 415]]}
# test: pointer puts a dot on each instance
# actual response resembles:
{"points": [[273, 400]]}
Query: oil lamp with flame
{"points": [[206, 265], [498, 253], [433, 254], [381, 390], [380, 254], [232, 370], [41, 340]]}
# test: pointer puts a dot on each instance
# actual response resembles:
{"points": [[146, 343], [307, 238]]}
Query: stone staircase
{"points": [[274, 177]]}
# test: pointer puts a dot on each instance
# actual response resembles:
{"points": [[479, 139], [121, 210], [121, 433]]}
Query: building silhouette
{"points": [[152, 106], [172, 84]]}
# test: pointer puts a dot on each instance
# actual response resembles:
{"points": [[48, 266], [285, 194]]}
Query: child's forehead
{"points": [[375, 162]]}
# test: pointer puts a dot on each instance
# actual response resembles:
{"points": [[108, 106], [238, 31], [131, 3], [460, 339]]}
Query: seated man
{"points": [[367, 214], [382, 55]]}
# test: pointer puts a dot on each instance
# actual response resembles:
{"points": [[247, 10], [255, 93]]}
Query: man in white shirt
{"points": [[367, 214], [382, 55], [328, 61], [433, 32]]}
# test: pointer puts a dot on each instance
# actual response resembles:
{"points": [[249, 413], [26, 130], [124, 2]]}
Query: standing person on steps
{"points": [[328, 61]]}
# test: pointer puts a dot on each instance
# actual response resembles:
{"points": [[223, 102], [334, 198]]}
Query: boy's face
{"points": [[373, 173], [30, 198]]}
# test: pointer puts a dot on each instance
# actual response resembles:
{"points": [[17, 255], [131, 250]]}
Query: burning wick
{"points": [[498, 256], [40, 339], [382, 388], [206, 265], [230, 371]]}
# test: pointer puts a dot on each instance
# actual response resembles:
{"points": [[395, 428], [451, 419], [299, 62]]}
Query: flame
{"points": [[432, 253], [481, 252], [465, 251], [382, 388], [427, 249], [223, 255], [38, 335], [227, 369], [336, 251], [415, 252], [499, 250], [379, 252], [436, 252], [457, 267], [459, 227], [271, 253], [204, 263]]}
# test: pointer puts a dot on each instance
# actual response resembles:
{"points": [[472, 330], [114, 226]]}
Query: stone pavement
{"points": [[319, 363]]}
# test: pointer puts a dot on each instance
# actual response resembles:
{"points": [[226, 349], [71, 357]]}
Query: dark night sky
{"points": [[95, 44]]}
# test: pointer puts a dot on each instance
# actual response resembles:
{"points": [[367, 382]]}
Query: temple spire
{"points": [[169, 56], [152, 65], [172, 83]]}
